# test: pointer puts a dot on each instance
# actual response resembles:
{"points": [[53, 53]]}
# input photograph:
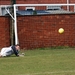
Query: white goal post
{"points": [[15, 16]]}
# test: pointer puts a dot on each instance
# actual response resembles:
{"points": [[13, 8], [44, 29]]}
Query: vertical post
{"points": [[15, 25], [14, 1], [74, 8], [12, 23], [67, 5]]}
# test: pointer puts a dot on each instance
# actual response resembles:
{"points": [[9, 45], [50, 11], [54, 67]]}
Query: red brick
{"points": [[45, 33], [40, 31]]}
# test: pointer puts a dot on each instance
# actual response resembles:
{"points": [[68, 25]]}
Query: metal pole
{"points": [[67, 5], [12, 23], [14, 1], [15, 26], [44, 4], [74, 8]]}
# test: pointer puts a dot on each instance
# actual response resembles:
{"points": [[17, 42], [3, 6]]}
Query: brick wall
{"points": [[8, 2], [42, 31], [5, 2], [4, 31], [41, 1]]}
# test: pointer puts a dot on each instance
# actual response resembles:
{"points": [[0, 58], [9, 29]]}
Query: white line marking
{"points": [[55, 72]]}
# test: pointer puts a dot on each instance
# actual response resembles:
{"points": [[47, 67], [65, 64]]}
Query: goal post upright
{"points": [[15, 25]]}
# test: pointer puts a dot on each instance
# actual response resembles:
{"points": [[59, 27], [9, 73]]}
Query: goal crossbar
{"points": [[44, 4]]}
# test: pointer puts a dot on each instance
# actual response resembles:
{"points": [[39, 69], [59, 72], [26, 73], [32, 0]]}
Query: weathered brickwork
{"points": [[4, 31], [4, 2], [42, 31], [39, 30]]}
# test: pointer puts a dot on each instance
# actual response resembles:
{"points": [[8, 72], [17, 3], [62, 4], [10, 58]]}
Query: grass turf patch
{"points": [[40, 62]]}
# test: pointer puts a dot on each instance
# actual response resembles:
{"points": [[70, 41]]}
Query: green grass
{"points": [[44, 61]]}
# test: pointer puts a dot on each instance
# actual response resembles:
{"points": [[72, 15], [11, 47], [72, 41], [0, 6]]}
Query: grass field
{"points": [[46, 61]]}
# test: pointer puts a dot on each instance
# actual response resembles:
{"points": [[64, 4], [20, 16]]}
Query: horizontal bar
{"points": [[44, 4]]}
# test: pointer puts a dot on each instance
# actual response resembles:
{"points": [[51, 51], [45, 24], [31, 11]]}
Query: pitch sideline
{"points": [[55, 72]]}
